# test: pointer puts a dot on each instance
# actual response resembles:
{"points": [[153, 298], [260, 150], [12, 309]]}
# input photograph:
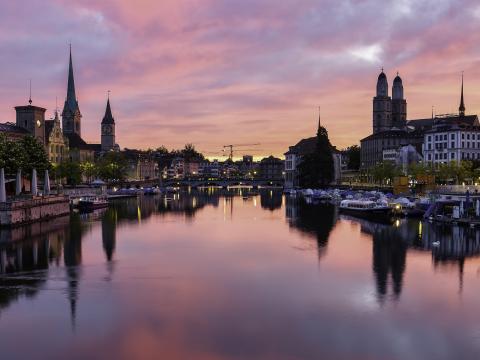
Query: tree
{"points": [[384, 172], [113, 166], [89, 169], [71, 171], [353, 157], [34, 155], [317, 169], [190, 153]]}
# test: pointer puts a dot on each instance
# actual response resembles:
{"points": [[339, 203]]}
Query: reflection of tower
{"points": [[389, 257], [109, 234], [72, 254], [307, 220]]}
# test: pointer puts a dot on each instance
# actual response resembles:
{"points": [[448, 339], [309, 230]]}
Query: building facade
{"points": [[32, 119], [56, 143], [271, 169]]}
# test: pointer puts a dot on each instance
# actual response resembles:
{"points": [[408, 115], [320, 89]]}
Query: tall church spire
{"points": [[71, 97], [71, 116], [319, 119], [461, 109]]}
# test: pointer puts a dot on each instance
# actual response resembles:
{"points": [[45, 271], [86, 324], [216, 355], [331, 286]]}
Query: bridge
{"points": [[223, 182]]}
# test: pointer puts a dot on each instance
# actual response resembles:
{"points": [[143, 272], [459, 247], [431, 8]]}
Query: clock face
{"points": [[39, 123], [107, 129]]}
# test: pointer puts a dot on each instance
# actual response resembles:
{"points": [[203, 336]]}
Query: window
{"points": [[436, 156], [445, 137], [463, 136], [429, 156], [452, 145], [429, 138], [452, 136], [468, 136], [452, 156]]}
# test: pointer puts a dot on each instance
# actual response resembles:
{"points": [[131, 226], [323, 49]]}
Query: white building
{"points": [[452, 143]]}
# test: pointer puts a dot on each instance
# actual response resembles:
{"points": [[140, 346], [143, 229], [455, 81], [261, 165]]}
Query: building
{"points": [[391, 130], [79, 149], [108, 129], [209, 169], [12, 131], [375, 147], [142, 169], [271, 169], [71, 115], [32, 119], [56, 143], [457, 142]]}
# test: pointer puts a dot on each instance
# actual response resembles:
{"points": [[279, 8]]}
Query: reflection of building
{"points": [[270, 200], [305, 218]]}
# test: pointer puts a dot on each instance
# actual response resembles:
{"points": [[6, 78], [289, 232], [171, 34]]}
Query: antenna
{"points": [[30, 97], [108, 94]]}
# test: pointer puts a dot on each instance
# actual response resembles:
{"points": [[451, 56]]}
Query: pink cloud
{"points": [[213, 72]]}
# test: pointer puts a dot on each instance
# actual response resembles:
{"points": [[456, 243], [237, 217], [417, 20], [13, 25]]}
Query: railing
{"points": [[458, 189]]}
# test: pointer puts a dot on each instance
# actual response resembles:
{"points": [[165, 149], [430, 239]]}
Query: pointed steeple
{"points": [[461, 109], [108, 118], [71, 101]]}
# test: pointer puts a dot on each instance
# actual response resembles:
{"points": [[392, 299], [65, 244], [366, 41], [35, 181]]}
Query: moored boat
{"points": [[367, 209], [89, 203]]}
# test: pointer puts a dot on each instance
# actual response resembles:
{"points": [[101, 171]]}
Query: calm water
{"points": [[217, 275]]}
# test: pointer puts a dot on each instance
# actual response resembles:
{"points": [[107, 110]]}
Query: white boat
{"points": [[366, 209]]}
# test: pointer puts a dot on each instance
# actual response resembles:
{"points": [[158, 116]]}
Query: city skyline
{"points": [[213, 74]]}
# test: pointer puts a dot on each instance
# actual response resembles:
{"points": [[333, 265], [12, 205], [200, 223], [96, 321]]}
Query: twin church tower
{"points": [[72, 117], [389, 112]]}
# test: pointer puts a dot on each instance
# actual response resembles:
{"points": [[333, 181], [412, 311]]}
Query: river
{"points": [[237, 274]]}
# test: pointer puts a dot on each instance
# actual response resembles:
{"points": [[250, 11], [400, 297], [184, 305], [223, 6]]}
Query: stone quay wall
{"points": [[23, 211]]}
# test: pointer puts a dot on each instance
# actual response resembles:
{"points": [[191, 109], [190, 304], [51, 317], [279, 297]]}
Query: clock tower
{"points": [[108, 129], [32, 118]]}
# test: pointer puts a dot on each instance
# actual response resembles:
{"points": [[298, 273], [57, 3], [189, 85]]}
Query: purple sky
{"points": [[221, 72]]}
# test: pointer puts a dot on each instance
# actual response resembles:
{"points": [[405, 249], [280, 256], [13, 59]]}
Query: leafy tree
{"points": [[71, 171], [89, 169], [113, 166], [384, 172], [190, 153], [353, 157], [317, 169], [34, 155]]}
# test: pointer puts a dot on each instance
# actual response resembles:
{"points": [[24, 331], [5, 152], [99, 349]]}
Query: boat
{"points": [[151, 191], [89, 203], [367, 209]]}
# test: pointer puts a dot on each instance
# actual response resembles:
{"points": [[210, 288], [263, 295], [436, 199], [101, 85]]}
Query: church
{"points": [[390, 128], [62, 141]]}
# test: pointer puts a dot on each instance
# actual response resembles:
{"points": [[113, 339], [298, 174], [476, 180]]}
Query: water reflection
{"points": [[232, 276], [316, 220]]}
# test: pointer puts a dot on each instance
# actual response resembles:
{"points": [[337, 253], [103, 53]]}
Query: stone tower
{"points": [[382, 106], [399, 104], [108, 129], [71, 116], [32, 118]]}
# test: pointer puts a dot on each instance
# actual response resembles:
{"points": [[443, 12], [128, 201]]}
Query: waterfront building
{"points": [[209, 169], [293, 158], [392, 131], [56, 142], [271, 168], [457, 142]]}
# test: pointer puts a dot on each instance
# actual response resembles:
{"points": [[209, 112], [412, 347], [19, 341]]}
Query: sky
{"points": [[214, 73]]}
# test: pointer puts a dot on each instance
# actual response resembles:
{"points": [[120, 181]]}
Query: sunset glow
{"points": [[221, 72]]}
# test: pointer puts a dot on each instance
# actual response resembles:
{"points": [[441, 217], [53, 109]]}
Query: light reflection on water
{"points": [[219, 275]]}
